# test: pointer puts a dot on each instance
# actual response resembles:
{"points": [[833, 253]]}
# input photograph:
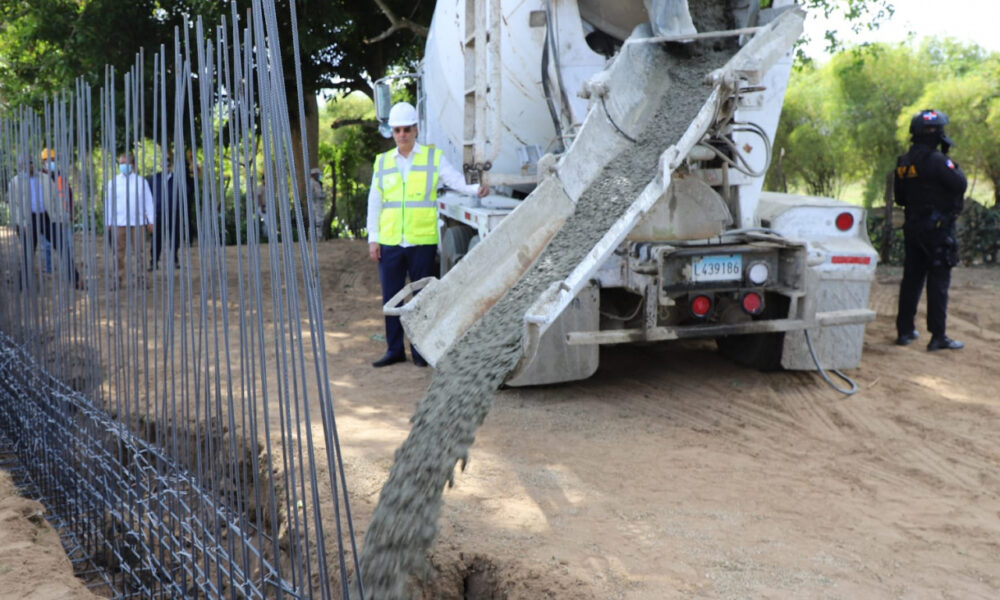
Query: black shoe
{"points": [[944, 343], [419, 360], [904, 339], [388, 359]]}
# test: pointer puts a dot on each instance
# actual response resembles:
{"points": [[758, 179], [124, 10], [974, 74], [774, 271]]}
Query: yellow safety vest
{"points": [[409, 207]]}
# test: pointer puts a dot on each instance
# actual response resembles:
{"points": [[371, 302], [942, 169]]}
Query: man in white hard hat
{"points": [[402, 217]]}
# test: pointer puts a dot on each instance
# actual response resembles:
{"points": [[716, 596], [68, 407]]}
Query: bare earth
{"points": [[674, 473]]}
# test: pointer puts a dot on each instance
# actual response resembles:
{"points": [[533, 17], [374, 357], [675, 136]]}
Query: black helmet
{"points": [[928, 126], [928, 121]]}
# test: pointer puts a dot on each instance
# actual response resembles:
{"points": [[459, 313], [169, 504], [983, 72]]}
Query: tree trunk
{"points": [[310, 106], [331, 214], [887, 226], [780, 172]]}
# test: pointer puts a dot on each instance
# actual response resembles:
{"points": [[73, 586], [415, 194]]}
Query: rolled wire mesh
{"points": [[177, 422]]}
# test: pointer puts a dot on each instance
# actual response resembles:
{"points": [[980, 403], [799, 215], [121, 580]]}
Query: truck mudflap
{"points": [[628, 90]]}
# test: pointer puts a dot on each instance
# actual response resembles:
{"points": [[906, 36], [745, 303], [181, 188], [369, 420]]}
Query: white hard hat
{"points": [[402, 114], [314, 171]]}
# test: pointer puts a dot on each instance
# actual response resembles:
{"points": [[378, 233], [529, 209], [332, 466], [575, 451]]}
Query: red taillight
{"points": [[845, 221], [752, 303], [701, 306]]}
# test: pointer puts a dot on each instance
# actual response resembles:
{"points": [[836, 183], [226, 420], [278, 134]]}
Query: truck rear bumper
{"points": [[858, 316]]}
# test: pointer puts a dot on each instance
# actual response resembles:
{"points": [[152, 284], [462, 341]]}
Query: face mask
{"points": [[52, 165], [125, 169]]}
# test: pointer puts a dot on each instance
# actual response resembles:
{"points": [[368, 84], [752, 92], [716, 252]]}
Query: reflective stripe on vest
{"points": [[409, 209]]}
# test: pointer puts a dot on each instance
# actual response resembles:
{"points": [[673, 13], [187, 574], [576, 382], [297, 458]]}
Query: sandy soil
{"points": [[33, 563], [674, 473]]}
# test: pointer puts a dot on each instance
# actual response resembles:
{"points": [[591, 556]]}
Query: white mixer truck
{"points": [[536, 97]]}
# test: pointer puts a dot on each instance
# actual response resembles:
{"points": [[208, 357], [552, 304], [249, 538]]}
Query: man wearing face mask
{"points": [[62, 218], [128, 208], [931, 188]]}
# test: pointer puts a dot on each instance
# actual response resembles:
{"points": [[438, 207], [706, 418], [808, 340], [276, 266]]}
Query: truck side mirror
{"points": [[383, 101]]}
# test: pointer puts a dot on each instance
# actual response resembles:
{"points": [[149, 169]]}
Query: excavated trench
{"points": [[404, 525]]}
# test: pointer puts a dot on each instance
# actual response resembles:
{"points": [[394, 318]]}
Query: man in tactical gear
{"points": [[931, 188]]}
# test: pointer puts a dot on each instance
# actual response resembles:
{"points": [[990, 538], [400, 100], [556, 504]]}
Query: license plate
{"points": [[717, 268]]}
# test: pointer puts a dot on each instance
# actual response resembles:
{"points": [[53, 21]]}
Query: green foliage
{"points": [[880, 237], [349, 150], [948, 55], [970, 98], [863, 15], [978, 230], [876, 83], [979, 234], [848, 120], [35, 63], [816, 155]]}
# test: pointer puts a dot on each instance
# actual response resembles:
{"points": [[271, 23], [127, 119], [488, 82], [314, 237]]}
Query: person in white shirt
{"points": [[128, 208], [402, 217], [31, 196]]}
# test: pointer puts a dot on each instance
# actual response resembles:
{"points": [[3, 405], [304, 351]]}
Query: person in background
{"points": [[62, 219], [128, 208], [30, 195], [931, 188], [318, 195], [402, 217], [165, 214]]}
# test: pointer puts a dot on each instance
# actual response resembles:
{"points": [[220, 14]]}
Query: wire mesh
{"points": [[164, 389]]}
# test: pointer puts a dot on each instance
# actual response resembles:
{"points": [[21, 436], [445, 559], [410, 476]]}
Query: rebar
{"points": [[166, 416]]}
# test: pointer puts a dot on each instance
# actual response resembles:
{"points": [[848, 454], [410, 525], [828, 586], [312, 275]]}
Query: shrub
{"points": [[978, 231]]}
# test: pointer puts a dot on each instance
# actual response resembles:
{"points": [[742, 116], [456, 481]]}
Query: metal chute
{"points": [[444, 309], [670, 17]]}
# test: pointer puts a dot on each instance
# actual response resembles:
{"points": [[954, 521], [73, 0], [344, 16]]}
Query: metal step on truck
{"points": [[535, 98]]}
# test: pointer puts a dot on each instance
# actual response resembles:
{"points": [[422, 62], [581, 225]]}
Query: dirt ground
{"points": [[673, 473], [33, 563]]}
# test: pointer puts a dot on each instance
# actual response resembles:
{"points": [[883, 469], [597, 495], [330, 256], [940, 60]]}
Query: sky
{"points": [[966, 20]]}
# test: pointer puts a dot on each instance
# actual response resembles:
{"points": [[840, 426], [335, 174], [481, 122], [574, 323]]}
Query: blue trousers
{"points": [[395, 265]]}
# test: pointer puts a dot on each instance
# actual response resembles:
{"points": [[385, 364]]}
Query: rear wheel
{"points": [[454, 245], [761, 351]]}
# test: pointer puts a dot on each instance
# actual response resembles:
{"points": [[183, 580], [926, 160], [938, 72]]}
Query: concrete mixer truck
{"points": [[551, 103]]}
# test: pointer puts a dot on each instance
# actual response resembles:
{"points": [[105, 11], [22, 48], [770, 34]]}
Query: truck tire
{"points": [[761, 351], [454, 245]]}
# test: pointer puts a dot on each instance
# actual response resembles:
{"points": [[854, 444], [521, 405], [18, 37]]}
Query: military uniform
{"points": [[931, 188]]}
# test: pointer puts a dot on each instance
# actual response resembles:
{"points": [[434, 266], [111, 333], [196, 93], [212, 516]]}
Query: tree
{"points": [[877, 82], [343, 44], [348, 144], [971, 103], [341, 47], [816, 153], [863, 15], [948, 55]]}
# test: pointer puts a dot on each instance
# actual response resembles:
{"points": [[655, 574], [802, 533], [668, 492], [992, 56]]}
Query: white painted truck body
{"points": [[483, 103]]}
